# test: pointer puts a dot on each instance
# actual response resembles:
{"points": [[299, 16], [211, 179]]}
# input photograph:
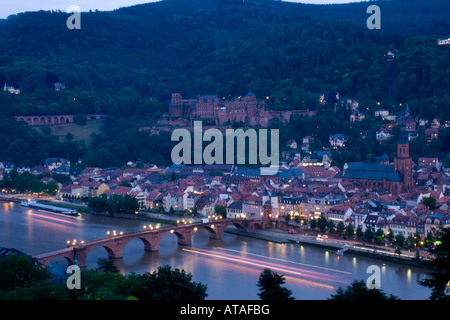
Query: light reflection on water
{"points": [[22, 229]]}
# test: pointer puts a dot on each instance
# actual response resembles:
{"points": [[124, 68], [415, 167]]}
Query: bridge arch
{"points": [[149, 242], [110, 251], [184, 236], [46, 260], [237, 225]]}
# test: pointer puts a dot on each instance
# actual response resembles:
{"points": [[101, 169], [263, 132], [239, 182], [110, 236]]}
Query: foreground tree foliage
{"points": [[270, 286], [20, 279], [358, 290], [162, 284], [439, 280]]}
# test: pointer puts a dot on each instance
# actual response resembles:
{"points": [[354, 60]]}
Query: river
{"points": [[230, 267]]}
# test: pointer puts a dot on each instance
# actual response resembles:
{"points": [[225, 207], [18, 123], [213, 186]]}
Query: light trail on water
{"points": [[54, 219], [302, 273], [283, 260]]}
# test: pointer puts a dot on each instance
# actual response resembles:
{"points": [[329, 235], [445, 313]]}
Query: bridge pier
{"points": [[217, 233], [79, 256], [151, 239]]}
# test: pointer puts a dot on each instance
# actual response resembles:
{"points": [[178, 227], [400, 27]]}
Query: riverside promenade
{"points": [[339, 245]]}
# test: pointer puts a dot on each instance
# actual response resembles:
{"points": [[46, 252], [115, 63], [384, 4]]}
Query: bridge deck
{"points": [[136, 234]]}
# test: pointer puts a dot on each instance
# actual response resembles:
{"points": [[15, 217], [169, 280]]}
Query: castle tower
{"points": [[176, 105], [403, 163]]}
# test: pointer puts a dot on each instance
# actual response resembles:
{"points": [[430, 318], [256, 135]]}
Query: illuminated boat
{"points": [[52, 209]]}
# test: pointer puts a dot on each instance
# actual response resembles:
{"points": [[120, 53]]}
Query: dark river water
{"points": [[230, 267]]}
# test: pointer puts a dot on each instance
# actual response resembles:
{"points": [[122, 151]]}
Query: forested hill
{"points": [[406, 17], [290, 52]]}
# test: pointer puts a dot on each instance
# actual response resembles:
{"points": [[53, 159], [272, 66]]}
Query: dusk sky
{"points": [[17, 6]]}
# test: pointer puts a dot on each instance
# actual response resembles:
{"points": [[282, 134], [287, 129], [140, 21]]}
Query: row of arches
{"points": [[45, 120], [142, 241]]}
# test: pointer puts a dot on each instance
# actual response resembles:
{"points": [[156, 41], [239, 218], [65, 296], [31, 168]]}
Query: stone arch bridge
{"points": [[114, 245], [46, 120]]}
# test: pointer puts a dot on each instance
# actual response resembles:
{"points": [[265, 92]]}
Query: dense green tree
{"points": [[80, 119], [390, 236], [221, 211], [359, 232], [379, 236], [340, 227], [168, 284], [358, 290], [349, 230], [313, 223], [20, 279], [106, 265], [270, 286], [438, 280], [129, 204], [98, 204], [330, 226], [430, 202], [368, 234], [322, 223], [400, 240]]}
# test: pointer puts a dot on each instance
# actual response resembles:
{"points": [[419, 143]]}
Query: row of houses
{"points": [[297, 190]]}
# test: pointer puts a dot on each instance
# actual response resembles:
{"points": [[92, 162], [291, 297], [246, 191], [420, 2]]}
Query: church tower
{"points": [[403, 163]]}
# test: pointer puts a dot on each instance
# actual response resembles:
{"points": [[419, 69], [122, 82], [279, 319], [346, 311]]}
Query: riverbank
{"points": [[279, 237]]}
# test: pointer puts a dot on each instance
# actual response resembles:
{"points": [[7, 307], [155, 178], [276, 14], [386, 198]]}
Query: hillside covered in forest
{"points": [[126, 63]]}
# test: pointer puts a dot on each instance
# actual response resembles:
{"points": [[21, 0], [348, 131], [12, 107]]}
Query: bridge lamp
{"points": [[171, 231], [121, 232], [212, 226], [178, 221], [82, 242], [145, 227], [107, 232], [195, 229]]}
